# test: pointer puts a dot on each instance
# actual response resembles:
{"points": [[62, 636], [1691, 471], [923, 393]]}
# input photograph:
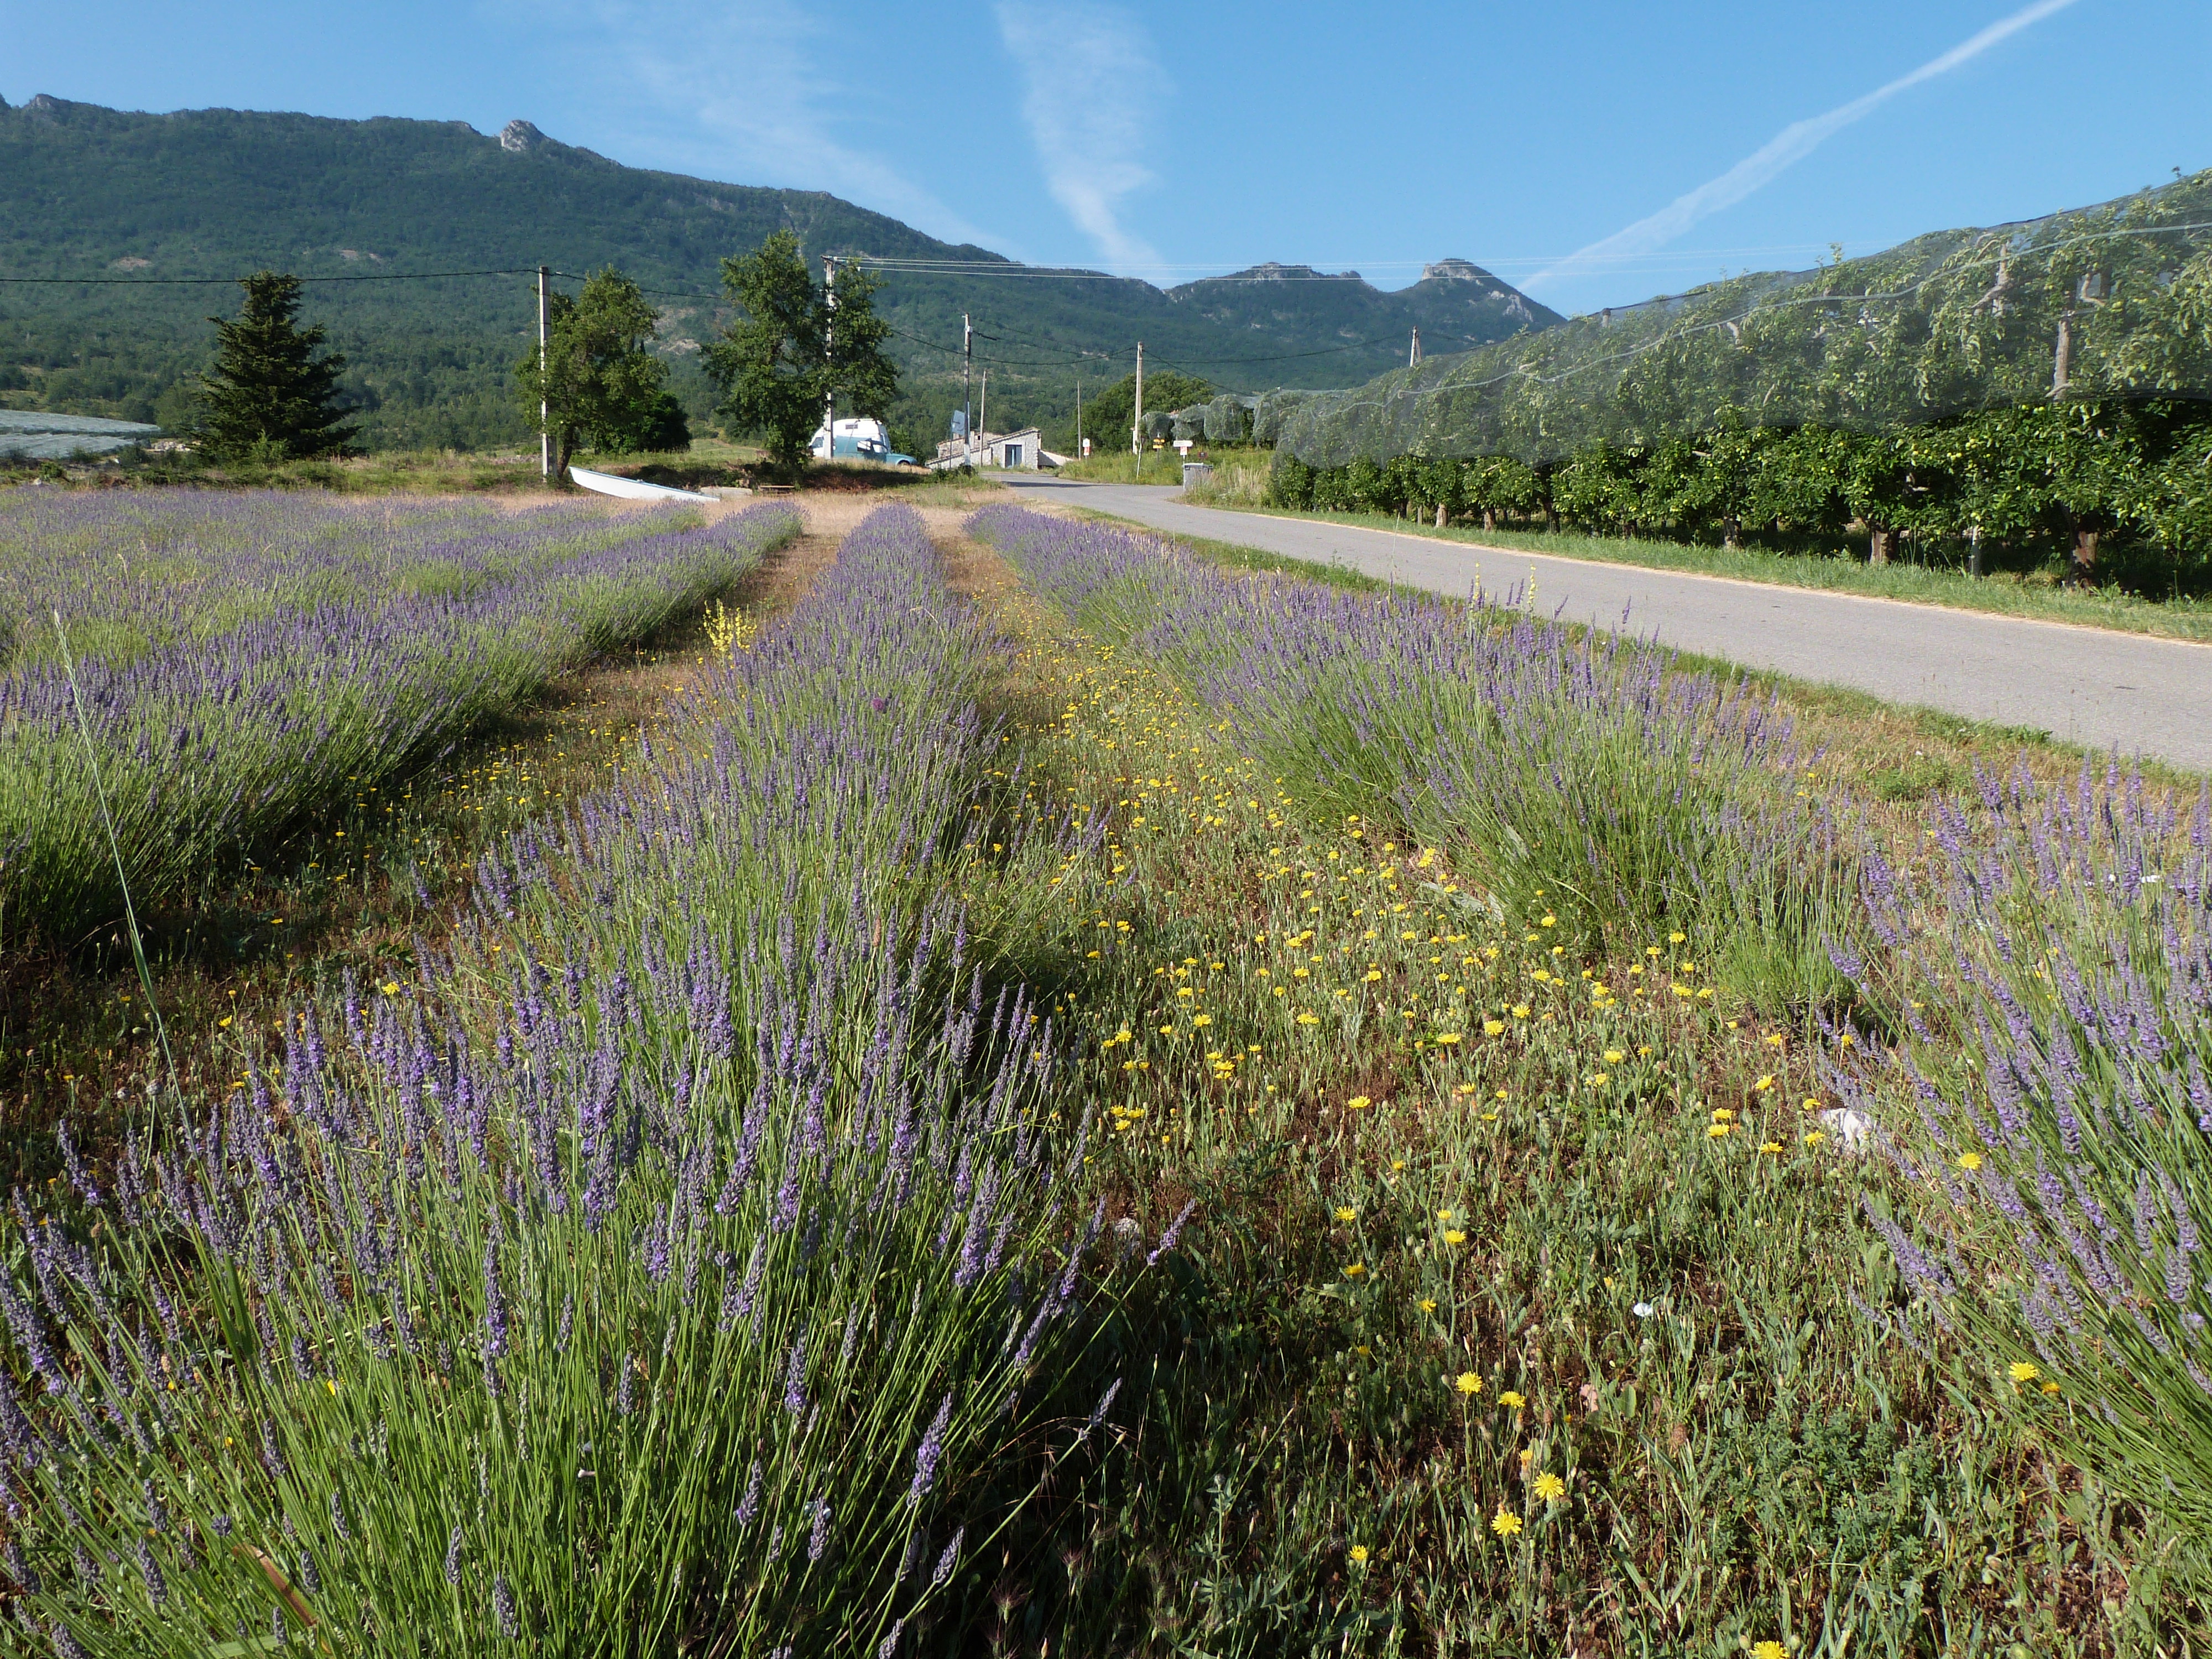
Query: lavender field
{"points": [[1072, 1103], [198, 670]]}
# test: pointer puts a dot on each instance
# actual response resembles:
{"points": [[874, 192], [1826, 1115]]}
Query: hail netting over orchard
{"points": [[2113, 302]]}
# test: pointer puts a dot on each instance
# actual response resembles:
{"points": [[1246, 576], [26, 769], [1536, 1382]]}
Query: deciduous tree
{"points": [[793, 344], [599, 386]]}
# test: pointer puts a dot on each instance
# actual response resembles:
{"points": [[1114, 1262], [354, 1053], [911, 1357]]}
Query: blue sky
{"points": [[1662, 143]]}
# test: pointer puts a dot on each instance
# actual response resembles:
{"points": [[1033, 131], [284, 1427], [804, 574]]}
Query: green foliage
{"points": [[2117, 491], [1108, 416], [598, 385], [270, 394], [792, 348]]}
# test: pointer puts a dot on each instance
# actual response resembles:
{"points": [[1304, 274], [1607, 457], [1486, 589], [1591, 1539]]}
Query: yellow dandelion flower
{"points": [[1550, 1487], [1454, 1237], [1769, 1651], [1505, 1523], [1520, 1010], [1345, 1213], [1427, 1304], [1764, 1084], [1468, 1382], [1358, 1102], [1358, 1555], [1614, 1056], [1718, 1131], [1510, 1398], [1970, 1160], [1814, 1137], [1447, 1036], [1769, 1147], [2022, 1372], [1492, 1027], [1356, 1270], [1202, 1019], [1309, 1019]]}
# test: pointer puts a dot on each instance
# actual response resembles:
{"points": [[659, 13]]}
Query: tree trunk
{"points": [[1878, 545], [1731, 532], [2085, 555], [1443, 517], [1489, 518]]}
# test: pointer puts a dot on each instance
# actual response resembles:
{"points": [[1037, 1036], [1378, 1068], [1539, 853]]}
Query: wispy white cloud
{"points": [[1091, 85], [734, 91], [1787, 147]]}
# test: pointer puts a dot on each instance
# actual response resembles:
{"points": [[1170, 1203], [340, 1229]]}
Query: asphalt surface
{"points": [[2091, 686]]}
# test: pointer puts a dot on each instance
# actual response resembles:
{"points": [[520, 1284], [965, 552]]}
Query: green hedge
{"points": [[2120, 492]]}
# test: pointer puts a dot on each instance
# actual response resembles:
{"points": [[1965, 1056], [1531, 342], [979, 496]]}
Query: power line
{"points": [[205, 282]]}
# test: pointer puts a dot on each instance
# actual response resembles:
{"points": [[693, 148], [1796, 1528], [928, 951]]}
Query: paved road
{"points": [[2088, 685]]}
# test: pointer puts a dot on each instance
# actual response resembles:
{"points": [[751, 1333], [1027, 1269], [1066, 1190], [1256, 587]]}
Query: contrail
{"points": [[1790, 145]]}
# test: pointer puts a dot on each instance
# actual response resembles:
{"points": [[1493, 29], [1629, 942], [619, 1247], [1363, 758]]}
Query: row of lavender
{"points": [[196, 672], [677, 1262], [2050, 991], [1579, 776], [2066, 935]]}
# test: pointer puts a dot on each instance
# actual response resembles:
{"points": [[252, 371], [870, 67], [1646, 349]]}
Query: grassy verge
{"points": [[1843, 573], [1514, 1318]]}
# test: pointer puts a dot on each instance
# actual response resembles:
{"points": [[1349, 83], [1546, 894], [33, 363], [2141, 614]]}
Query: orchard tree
{"points": [[793, 346], [599, 386], [271, 396]]}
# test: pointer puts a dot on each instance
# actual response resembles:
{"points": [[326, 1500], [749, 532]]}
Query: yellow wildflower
{"points": [[1510, 1398], [1550, 1487], [1505, 1523], [1469, 1384]]}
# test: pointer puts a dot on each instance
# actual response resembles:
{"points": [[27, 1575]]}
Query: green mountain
{"points": [[122, 211]]}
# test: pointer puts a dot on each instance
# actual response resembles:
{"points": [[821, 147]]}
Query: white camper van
{"points": [[865, 440]]}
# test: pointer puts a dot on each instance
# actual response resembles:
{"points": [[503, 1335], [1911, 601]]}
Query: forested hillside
{"points": [[93, 193]]}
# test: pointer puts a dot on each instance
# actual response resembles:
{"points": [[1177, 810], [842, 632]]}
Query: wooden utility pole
{"points": [[1078, 416], [967, 394], [1137, 432], [544, 417], [1413, 358], [983, 407]]}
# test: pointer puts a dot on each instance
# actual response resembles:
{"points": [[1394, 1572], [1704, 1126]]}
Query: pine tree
{"points": [[268, 395]]}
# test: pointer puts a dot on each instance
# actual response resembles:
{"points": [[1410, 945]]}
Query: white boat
{"points": [[631, 489]]}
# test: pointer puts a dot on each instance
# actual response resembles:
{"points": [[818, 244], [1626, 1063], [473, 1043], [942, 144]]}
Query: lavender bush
{"points": [[238, 662], [660, 1268], [1579, 776], [2071, 941]]}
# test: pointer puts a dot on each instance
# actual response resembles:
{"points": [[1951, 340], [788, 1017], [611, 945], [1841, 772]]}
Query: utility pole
{"points": [[1415, 359], [983, 406], [544, 418], [829, 351], [1079, 417], [967, 398], [1137, 432]]}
